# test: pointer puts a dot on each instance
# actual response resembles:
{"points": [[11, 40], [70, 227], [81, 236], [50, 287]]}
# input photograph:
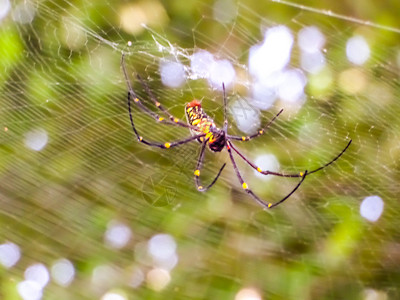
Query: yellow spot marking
{"points": [[259, 169], [200, 187], [245, 186], [197, 172], [243, 138], [176, 120], [209, 136], [195, 122], [261, 132], [301, 174], [269, 204], [160, 119], [136, 100], [167, 145], [158, 104]]}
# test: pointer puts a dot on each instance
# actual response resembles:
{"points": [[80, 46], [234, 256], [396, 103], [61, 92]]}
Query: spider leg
{"points": [[287, 175], [160, 106], [154, 144], [131, 93], [259, 132], [198, 168], [250, 192]]}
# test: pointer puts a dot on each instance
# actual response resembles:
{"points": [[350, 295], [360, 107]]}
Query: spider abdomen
{"points": [[198, 118]]}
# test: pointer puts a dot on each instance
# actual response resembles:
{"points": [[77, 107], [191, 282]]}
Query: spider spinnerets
{"points": [[204, 130]]}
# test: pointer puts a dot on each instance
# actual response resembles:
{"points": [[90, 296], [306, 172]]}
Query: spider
{"points": [[204, 130]]}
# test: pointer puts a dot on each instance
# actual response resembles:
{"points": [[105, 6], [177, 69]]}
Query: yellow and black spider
{"points": [[204, 130]]}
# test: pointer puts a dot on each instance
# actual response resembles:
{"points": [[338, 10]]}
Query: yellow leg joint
{"points": [[161, 119], [136, 100], [245, 186], [200, 187], [269, 205], [197, 172], [176, 120], [301, 174], [167, 145], [158, 104], [259, 169]]}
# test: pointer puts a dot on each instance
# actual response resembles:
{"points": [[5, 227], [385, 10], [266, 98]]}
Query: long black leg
{"points": [[160, 106], [259, 132], [250, 192], [287, 175], [131, 93], [198, 168], [154, 144]]}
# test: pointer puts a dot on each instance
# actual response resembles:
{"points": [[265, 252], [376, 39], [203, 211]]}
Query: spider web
{"points": [[90, 213]]}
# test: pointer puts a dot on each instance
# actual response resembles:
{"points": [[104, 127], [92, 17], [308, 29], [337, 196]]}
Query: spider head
{"points": [[194, 103]]}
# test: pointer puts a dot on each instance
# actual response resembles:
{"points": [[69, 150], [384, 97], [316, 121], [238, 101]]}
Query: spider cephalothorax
{"points": [[204, 130]]}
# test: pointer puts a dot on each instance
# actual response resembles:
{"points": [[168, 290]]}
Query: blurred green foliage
{"points": [[61, 73]]}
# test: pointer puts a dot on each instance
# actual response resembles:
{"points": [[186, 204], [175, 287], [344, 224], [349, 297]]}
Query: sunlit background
{"points": [[88, 212]]}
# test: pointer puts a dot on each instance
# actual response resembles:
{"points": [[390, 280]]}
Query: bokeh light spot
{"points": [[273, 54], [36, 139], [221, 71], [224, 10], [311, 39], [63, 272], [158, 279], [161, 248], [136, 278], [371, 208], [172, 73], [247, 117], [357, 50], [117, 235], [134, 15], [24, 12], [352, 81], [4, 8], [264, 95], [29, 290], [104, 276], [371, 294], [38, 273], [201, 62], [312, 62], [9, 254], [248, 294], [114, 296], [291, 88]]}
